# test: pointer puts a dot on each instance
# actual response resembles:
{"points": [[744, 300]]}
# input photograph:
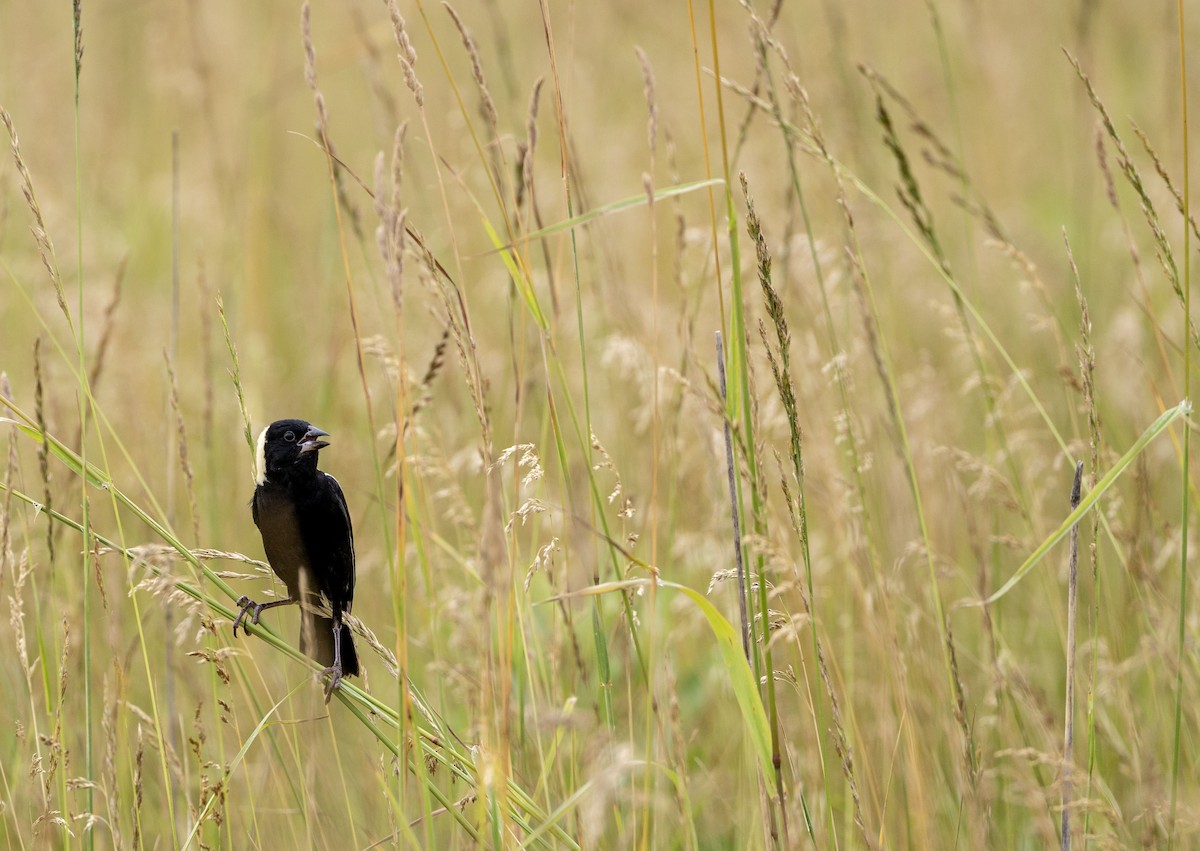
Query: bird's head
{"points": [[287, 448]]}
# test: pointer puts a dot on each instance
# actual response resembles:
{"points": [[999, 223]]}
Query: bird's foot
{"points": [[335, 680], [247, 604]]}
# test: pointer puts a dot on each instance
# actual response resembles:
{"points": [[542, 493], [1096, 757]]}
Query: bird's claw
{"points": [[335, 680], [247, 604]]}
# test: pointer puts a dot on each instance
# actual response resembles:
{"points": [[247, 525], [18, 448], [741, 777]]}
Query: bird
{"points": [[308, 538]]}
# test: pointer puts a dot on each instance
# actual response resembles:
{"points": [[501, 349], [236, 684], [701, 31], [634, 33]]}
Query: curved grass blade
{"points": [[60, 451], [740, 676], [729, 642], [639, 200], [1156, 428], [212, 798], [519, 277]]}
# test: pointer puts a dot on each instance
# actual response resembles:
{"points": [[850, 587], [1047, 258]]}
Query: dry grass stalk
{"points": [[841, 743], [162, 552], [780, 362], [398, 184], [374, 67], [1087, 366], [138, 760], [1110, 186], [149, 570], [43, 452], [77, 22], [235, 373], [407, 54], [40, 235], [911, 198], [525, 150], [458, 323], [378, 347], [1135, 257], [20, 571], [648, 88], [1164, 175], [445, 487], [526, 188], [1162, 246], [487, 106], [108, 726], [865, 302], [10, 473], [391, 233], [184, 463], [310, 73], [742, 590], [99, 574], [908, 191], [969, 757], [1087, 375], [388, 657], [780, 359], [1069, 712], [310, 77], [56, 754], [432, 370], [761, 34], [941, 156], [207, 414]]}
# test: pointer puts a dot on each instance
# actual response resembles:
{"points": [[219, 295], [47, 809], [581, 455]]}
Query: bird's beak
{"points": [[311, 441]]}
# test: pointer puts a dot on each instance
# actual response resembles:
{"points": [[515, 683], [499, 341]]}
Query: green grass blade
{"points": [[630, 203], [1156, 428], [237, 759], [729, 643]]}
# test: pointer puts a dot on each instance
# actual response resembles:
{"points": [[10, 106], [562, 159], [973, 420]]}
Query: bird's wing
{"points": [[333, 559]]}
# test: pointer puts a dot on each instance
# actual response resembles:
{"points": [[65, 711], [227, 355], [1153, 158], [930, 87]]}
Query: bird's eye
{"points": [[290, 437]]}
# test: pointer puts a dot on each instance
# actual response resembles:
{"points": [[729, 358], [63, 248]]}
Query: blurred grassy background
{"points": [[885, 741]]}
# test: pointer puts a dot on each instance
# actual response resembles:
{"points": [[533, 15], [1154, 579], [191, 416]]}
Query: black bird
{"points": [[306, 532]]}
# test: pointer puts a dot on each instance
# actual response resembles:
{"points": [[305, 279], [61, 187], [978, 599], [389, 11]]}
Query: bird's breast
{"points": [[278, 521]]}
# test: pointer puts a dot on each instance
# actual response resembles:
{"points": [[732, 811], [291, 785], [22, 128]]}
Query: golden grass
{"points": [[494, 272]]}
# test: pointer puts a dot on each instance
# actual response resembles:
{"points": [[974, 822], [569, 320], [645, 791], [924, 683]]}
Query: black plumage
{"points": [[309, 541]]}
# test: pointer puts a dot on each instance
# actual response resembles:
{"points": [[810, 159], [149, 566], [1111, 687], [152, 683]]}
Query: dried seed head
{"points": [[40, 235], [530, 142], [487, 106], [407, 55], [77, 19], [648, 90]]}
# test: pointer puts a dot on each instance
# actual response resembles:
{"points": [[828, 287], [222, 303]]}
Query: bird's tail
{"points": [[316, 640]]}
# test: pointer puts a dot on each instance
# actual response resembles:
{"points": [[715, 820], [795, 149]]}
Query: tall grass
{"points": [[493, 271]]}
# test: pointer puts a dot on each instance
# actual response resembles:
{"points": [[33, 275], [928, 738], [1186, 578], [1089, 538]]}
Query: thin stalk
{"points": [[743, 588], [893, 396], [599, 637], [1087, 370], [1185, 508], [818, 703], [739, 366], [85, 585], [172, 449], [1069, 712], [708, 171], [781, 371], [956, 121], [351, 297]]}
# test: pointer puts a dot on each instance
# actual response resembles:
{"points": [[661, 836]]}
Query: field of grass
{"points": [[708, 383]]}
